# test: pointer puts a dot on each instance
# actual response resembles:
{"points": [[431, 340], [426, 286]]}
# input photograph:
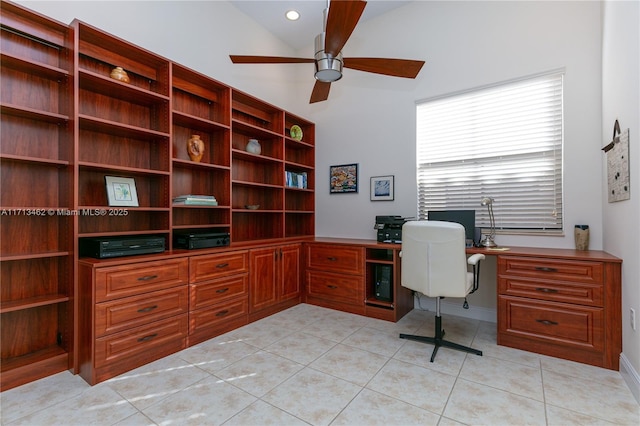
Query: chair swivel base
{"points": [[439, 341]]}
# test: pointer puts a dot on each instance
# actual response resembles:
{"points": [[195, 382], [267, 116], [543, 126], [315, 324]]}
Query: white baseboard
{"points": [[454, 307], [630, 376]]}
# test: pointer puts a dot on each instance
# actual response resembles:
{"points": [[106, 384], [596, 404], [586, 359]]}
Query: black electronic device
{"points": [[389, 228], [466, 218], [198, 240], [106, 247], [383, 282]]}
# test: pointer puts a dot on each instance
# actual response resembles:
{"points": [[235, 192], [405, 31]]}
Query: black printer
{"points": [[389, 228]]}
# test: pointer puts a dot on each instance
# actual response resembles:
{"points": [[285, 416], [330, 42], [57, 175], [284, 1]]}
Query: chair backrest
{"points": [[434, 260]]}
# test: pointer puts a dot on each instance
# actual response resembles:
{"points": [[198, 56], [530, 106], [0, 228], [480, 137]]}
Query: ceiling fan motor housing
{"points": [[328, 68]]}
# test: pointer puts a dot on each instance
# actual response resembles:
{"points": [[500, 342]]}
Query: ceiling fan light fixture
{"points": [[328, 68]]}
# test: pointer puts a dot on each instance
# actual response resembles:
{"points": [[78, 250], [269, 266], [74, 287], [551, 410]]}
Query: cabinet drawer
{"points": [[122, 314], [216, 291], [558, 323], [583, 294], [139, 345], [130, 280], [335, 258], [217, 265], [215, 317], [552, 269], [336, 287]]}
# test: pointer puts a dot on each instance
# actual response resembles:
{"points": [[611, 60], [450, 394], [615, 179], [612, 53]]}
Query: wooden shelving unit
{"points": [[37, 246], [66, 125]]}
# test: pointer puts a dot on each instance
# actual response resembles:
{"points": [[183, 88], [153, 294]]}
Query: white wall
{"points": [[197, 34], [370, 119], [621, 101]]}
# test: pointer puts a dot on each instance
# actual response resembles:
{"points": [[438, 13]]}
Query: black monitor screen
{"points": [[466, 218]]}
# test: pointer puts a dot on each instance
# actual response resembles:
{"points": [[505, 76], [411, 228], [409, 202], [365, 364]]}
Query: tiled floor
{"points": [[310, 365]]}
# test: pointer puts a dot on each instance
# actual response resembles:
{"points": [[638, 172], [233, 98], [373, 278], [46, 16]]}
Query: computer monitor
{"points": [[466, 218]]}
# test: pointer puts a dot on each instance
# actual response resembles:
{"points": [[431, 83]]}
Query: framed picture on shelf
{"points": [[382, 188], [343, 179], [121, 191]]}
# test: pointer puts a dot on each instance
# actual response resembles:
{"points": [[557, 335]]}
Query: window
{"points": [[504, 142]]}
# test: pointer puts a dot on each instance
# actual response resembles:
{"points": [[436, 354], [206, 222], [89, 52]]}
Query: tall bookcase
{"points": [[37, 167], [123, 130], [201, 106], [67, 125]]}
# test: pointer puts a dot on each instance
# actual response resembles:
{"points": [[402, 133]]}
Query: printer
{"points": [[389, 228]]}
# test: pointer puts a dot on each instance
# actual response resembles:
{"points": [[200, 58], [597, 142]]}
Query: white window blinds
{"points": [[504, 142]]}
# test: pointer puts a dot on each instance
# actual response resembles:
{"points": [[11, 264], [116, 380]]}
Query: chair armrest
{"points": [[475, 258]]}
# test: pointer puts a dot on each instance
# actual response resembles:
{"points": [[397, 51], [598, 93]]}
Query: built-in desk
{"points": [[558, 302]]}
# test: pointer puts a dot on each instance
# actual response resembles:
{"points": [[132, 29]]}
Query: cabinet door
{"points": [[263, 274], [290, 271]]}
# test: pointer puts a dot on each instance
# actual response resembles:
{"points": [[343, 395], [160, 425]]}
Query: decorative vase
{"points": [[119, 74], [195, 148], [253, 146], [581, 235]]}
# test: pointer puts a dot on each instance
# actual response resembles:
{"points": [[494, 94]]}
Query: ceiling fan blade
{"points": [[406, 68], [320, 92], [246, 59], [342, 19]]}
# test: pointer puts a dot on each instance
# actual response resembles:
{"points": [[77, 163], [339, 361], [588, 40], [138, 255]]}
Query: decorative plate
{"points": [[296, 132]]}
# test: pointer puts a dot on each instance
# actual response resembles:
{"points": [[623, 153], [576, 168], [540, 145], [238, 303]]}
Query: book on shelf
{"points": [[195, 200], [296, 180]]}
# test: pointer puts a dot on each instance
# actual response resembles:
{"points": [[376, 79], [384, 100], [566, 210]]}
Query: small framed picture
{"points": [[121, 191], [343, 179], [382, 188]]}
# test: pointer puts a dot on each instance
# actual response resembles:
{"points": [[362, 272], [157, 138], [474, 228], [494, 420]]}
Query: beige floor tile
{"points": [[99, 405], [259, 334], [301, 347], [155, 381], [419, 386], [313, 396], [27, 399], [473, 403], [216, 354], [557, 416], [138, 419], [211, 401], [505, 375], [591, 397], [333, 329], [589, 372], [351, 364], [371, 408], [376, 341], [263, 414], [259, 373]]}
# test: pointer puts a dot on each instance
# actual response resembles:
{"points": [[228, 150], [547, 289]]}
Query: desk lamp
{"points": [[487, 241]]}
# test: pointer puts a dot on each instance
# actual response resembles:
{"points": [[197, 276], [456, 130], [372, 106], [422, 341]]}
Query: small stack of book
{"points": [[195, 200], [296, 180]]}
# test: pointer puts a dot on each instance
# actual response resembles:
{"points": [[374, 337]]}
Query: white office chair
{"points": [[434, 263]]}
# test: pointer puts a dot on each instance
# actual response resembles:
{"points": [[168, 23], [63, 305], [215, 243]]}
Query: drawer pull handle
{"points": [[223, 290], [147, 277], [332, 286], [546, 269], [222, 313], [147, 309], [147, 338], [222, 265], [546, 290], [546, 322], [332, 259]]}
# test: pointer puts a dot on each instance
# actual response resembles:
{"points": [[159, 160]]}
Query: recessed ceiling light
{"points": [[292, 15]]}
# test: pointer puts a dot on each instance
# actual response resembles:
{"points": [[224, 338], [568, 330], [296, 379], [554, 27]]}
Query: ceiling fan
{"points": [[340, 19]]}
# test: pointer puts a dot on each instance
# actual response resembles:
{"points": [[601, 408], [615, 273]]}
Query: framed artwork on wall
{"points": [[382, 188], [121, 191], [343, 179]]}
